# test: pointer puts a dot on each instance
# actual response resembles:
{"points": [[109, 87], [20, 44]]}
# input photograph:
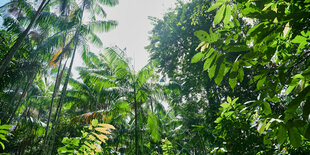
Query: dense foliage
{"points": [[224, 76]]}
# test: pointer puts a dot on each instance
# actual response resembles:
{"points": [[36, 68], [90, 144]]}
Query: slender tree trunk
{"points": [[30, 80], [52, 101], [136, 122], [5, 62]]}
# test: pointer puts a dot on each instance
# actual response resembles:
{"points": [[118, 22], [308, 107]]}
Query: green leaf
{"points": [[256, 28], [4, 132], [197, 57], [218, 120], [6, 127], [209, 52], [227, 14], [2, 145], [261, 82], [216, 5], [281, 135], [208, 62], [238, 48], [294, 136], [94, 122], [261, 127], [299, 39], [233, 75], [225, 105], [212, 71], [241, 74], [235, 100], [293, 105], [219, 15], [214, 36], [267, 109], [221, 71], [228, 99], [202, 35]]}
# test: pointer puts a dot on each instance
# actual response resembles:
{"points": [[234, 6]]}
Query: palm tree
{"points": [[5, 62], [81, 31], [112, 70]]}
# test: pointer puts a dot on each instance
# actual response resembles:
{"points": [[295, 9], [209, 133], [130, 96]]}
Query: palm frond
{"points": [[102, 26]]}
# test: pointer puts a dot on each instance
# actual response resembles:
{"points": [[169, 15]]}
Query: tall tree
{"points": [[5, 62]]}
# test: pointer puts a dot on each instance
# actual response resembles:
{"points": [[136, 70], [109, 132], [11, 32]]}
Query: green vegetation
{"points": [[224, 76]]}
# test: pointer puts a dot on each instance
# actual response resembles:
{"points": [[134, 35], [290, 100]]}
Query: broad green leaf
{"points": [[299, 39], [227, 14], [214, 36], [301, 46], [216, 5], [211, 72], [235, 100], [281, 135], [229, 113], [294, 136], [293, 105], [228, 99], [289, 89], [209, 53], [221, 72], [240, 74], [256, 28], [208, 62], [267, 109], [202, 35], [225, 105], [218, 120], [261, 127], [261, 82], [197, 57], [233, 75], [219, 15]]}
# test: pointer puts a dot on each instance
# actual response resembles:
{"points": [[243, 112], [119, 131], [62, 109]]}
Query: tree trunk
{"points": [[58, 79], [136, 122], [5, 62]]}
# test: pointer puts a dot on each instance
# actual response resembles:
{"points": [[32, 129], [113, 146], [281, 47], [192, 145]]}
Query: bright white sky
{"points": [[133, 27]]}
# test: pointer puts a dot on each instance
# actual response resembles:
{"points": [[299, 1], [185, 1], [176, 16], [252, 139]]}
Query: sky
{"points": [[133, 26]]}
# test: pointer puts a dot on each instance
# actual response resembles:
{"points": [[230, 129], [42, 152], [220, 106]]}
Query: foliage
{"points": [[272, 40], [3, 132], [167, 147], [90, 141], [224, 77]]}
